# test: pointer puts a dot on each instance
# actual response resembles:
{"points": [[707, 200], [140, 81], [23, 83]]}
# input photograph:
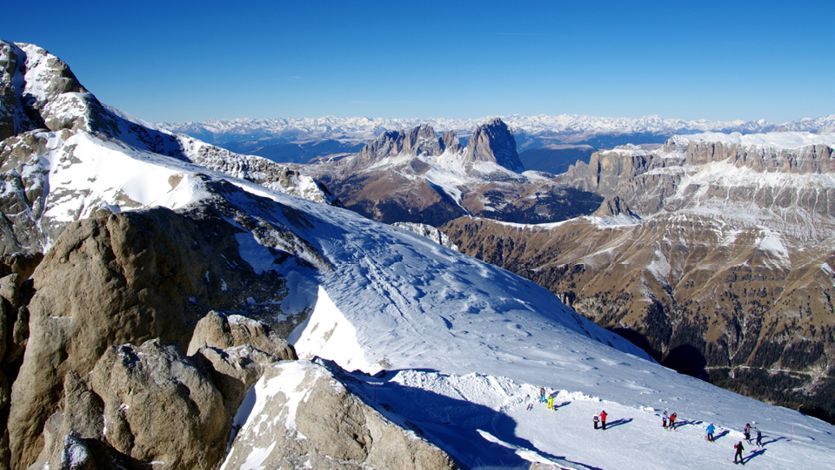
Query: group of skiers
{"points": [[746, 431], [668, 422]]}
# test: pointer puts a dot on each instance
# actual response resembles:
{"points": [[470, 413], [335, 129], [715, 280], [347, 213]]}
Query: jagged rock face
{"points": [[46, 115], [612, 206], [415, 177], [493, 142], [669, 179], [305, 414], [113, 419], [420, 140], [126, 278], [40, 91]]}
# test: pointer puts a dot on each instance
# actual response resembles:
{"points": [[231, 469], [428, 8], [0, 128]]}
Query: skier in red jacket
{"points": [[603, 419]]}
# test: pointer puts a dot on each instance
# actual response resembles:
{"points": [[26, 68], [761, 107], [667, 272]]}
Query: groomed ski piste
{"points": [[460, 347]]}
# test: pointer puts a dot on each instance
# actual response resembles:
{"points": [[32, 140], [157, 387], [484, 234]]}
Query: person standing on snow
{"points": [[596, 420], [747, 432], [664, 420], [710, 430], [759, 438], [603, 419], [673, 422], [530, 402], [551, 402], [542, 394], [739, 450]]}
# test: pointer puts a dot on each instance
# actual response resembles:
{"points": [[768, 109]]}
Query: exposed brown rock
{"points": [[159, 407], [340, 430], [221, 331], [127, 278]]}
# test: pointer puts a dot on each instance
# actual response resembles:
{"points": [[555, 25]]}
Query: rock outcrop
{"points": [[305, 414], [126, 278], [494, 143], [429, 232]]}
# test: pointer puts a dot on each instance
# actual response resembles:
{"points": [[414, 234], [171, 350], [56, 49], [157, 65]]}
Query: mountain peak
{"points": [[494, 142]]}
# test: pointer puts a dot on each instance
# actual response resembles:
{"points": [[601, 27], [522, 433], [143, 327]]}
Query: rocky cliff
{"points": [[47, 122], [415, 176]]}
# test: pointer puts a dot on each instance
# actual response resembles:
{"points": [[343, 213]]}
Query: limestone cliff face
{"points": [[420, 140], [651, 181], [493, 142]]}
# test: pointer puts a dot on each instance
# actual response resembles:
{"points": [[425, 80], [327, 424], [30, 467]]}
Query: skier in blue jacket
{"points": [[710, 430]]}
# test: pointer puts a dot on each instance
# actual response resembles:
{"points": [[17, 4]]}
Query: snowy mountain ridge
{"points": [[564, 128]]}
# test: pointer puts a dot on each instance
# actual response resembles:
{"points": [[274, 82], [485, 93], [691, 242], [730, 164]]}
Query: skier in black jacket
{"points": [[739, 450]]}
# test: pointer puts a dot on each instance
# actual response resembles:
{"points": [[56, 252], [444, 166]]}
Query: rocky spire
{"points": [[493, 142], [420, 140]]}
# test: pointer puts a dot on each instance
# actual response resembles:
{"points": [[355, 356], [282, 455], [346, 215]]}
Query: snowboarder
{"points": [[664, 420], [551, 402], [596, 420], [542, 394], [673, 422], [603, 419], [747, 432], [739, 450], [759, 438]]}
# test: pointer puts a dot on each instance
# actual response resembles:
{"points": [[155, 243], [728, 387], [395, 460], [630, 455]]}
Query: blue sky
{"points": [[190, 61]]}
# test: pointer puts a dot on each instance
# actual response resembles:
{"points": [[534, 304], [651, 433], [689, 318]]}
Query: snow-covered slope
{"points": [[459, 346], [465, 346]]}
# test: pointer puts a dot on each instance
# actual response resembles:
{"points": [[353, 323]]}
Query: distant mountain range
{"points": [[529, 131]]}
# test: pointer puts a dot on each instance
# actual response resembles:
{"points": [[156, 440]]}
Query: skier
{"points": [[739, 450], [596, 420], [551, 402], [530, 403], [603, 419], [759, 438], [542, 394], [673, 422], [664, 420], [710, 430], [747, 432]]}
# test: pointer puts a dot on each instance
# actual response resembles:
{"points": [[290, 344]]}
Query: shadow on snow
{"points": [[476, 436]]}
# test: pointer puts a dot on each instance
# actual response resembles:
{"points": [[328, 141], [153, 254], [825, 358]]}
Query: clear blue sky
{"points": [[190, 61]]}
